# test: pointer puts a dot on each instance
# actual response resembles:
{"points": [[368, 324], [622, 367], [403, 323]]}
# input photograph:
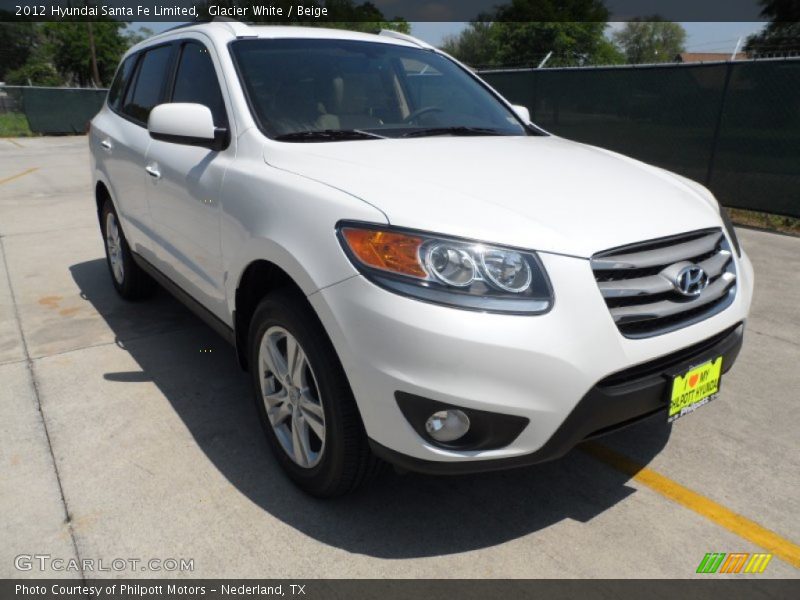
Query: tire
{"points": [[316, 397], [130, 281]]}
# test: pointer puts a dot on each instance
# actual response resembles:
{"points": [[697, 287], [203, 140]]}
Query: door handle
{"points": [[153, 171], [106, 144]]}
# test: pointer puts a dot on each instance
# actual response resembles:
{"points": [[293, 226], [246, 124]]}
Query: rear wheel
{"points": [[130, 281], [304, 399]]}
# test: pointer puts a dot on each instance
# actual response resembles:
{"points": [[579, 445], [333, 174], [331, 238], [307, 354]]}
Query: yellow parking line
{"points": [[15, 142], [18, 175], [722, 516]]}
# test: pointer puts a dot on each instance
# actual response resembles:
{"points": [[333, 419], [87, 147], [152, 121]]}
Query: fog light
{"points": [[447, 425]]}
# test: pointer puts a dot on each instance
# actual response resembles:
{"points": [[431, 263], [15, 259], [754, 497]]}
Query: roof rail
{"points": [[237, 28], [406, 38], [181, 26]]}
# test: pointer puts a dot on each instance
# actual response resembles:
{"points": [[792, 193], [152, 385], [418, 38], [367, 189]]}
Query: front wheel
{"points": [[304, 399]]}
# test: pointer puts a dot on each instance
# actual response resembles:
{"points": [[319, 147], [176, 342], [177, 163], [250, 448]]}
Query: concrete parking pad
{"points": [[54, 308], [60, 164], [34, 519], [23, 213], [775, 257], [154, 440], [10, 334]]}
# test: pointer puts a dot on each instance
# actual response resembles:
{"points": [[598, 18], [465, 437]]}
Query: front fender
{"points": [[288, 220]]}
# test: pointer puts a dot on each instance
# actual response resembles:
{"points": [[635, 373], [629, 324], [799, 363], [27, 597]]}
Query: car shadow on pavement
{"points": [[397, 516]]}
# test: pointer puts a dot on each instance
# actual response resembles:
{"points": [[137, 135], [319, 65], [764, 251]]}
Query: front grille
{"points": [[639, 282]]}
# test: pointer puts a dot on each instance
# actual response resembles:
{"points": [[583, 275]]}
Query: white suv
{"points": [[409, 269]]}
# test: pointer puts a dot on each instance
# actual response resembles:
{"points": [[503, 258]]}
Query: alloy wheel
{"points": [[114, 247], [291, 397]]}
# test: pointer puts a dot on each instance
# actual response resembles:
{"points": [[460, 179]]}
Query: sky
{"points": [[700, 37]]}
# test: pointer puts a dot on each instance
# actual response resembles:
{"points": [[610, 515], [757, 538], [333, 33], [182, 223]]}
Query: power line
{"points": [[711, 43]]}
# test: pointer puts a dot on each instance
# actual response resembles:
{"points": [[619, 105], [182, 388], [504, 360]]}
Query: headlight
{"points": [[451, 265], [448, 271], [506, 269]]}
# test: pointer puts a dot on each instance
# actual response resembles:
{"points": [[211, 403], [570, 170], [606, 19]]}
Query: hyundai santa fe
{"points": [[411, 271]]}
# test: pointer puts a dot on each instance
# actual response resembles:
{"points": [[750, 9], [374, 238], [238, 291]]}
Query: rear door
{"points": [[184, 195], [123, 138]]}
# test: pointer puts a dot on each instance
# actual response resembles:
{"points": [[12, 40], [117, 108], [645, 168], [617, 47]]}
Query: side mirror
{"points": [[185, 123], [522, 112]]}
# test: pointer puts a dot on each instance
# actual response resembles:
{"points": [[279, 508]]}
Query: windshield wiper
{"points": [[431, 131], [329, 135]]}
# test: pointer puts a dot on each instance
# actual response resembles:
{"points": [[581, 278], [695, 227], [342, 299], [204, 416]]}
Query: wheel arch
{"points": [[101, 194], [258, 279]]}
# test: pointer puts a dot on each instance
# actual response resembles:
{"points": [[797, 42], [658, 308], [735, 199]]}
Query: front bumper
{"points": [[618, 401], [570, 372]]}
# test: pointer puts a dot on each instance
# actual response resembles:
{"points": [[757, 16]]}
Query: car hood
{"points": [[542, 193]]}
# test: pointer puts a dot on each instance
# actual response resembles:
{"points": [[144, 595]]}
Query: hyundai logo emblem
{"points": [[691, 280]]}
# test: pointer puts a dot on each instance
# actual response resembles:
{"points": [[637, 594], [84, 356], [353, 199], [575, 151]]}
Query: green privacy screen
{"points": [[732, 126], [60, 110]]}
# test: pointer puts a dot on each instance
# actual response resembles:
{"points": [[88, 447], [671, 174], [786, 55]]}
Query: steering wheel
{"points": [[419, 112]]}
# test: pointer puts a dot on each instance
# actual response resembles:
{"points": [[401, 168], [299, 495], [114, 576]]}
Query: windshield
{"points": [[301, 87]]}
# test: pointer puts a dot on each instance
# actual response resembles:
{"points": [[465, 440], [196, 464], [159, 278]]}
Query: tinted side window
{"points": [[121, 82], [150, 79], [196, 81]]}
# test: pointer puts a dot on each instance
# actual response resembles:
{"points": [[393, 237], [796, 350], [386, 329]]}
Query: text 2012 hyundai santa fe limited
{"points": [[408, 268]]}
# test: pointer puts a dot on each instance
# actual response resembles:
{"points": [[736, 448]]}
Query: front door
{"points": [[184, 188]]}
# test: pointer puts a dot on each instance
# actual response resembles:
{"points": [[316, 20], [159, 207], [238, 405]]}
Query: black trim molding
{"points": [[180, 294]]}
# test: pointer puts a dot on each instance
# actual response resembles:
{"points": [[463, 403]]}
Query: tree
{"points": [[607, 53], [17, 41], [134, 36], [25, 58], [69, 47], [516, 44], [781, 37], [653, 40], [60, 53], [572, 44], [523, 32], [473, 46], [35, 71]]}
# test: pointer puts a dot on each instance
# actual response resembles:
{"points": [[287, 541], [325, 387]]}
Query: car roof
{"points": [[224, 31]]}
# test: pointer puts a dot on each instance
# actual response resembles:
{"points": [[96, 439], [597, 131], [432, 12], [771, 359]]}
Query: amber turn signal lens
{"points": [[386, 250]]}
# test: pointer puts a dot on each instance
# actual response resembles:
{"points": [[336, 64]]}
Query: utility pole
{"points": [[736, 49], [93, 53]]}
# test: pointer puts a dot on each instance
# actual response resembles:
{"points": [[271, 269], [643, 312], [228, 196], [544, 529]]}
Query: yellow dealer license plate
{"points": [[694, 388]]}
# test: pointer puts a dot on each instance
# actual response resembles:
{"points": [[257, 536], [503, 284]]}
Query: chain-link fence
{"points": [[732, 126], [48, 110]]}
